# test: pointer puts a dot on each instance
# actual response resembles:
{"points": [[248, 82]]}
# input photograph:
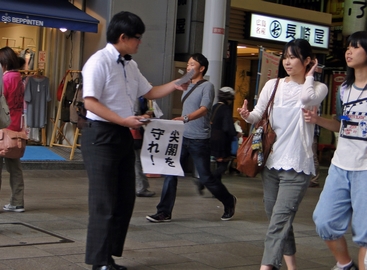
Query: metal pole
{"points": [[213, 39]]}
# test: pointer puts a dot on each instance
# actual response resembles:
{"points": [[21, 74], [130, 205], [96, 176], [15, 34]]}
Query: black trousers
{"points": [[109, 159]]}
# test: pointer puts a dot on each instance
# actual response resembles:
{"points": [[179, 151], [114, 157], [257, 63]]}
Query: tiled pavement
{"points": [[51, 233]]}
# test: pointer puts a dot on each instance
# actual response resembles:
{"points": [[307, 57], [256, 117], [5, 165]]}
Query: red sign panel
{"points": [[218, 30]]}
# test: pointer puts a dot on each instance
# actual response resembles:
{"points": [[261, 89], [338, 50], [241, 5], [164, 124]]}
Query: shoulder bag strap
{"points": [[271, 100], [270, 105], [192, 89], [215, 111]]}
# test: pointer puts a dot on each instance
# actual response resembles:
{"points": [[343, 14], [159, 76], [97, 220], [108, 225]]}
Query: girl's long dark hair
{"points": [[300, 48], [8, 59], [357, 39]]}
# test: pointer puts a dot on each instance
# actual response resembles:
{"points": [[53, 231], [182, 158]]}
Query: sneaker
{"points": [[159, 217], [12, 208], [229, 211], [350, 267], [145, 193]]}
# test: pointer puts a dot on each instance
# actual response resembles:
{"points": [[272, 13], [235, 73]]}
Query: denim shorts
{"points": [[343, 200]]}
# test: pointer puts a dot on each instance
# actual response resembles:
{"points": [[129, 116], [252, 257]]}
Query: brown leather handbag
{"points": [[252, 154], [13, 143]]}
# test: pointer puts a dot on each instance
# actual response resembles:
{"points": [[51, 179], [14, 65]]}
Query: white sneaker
{"points": [[12, 208], [352, 266]]}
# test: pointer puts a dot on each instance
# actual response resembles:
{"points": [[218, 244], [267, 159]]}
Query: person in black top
{"points": [[222, 130]]}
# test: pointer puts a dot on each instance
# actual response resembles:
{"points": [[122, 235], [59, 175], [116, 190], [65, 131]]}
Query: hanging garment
{"points": [[36, 95], [68, 99], [28, 56]]}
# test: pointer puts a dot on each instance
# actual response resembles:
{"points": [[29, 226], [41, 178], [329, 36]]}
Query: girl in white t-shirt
{"points": [[344, 196]]}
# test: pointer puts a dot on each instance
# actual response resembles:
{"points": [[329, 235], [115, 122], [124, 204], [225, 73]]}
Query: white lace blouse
{"points": [[293, 146]]}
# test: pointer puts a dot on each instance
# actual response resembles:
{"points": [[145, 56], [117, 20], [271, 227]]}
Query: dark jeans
{"points": [[199, 150], [221, 169], [109, 159]]}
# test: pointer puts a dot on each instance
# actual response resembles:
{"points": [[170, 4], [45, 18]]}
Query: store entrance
{"points": [[248, 79]]}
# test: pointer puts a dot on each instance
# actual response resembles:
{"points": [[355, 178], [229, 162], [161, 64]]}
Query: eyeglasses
{"points": [[137, 37]]}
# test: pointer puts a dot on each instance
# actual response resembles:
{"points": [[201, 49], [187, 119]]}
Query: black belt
{"points": [[91, 122]]}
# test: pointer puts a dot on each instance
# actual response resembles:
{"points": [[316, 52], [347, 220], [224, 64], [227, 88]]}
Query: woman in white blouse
{"points": [[290, 165]]}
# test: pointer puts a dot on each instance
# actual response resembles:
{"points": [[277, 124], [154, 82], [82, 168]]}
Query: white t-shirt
{"points": [[293, 146], [351, 152], [114, 85]]}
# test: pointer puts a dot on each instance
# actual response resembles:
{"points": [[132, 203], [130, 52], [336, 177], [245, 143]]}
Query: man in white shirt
{"points": [[111, 84]]}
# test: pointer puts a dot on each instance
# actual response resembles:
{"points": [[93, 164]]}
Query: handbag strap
{"points": [[192, 89], [271, 101], [23, 123], [215, 111]]}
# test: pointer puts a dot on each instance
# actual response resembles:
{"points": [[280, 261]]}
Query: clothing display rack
{"points": [[26, 73], [58, 137], [14, 41], [31, 72], [31, 43], [7, 41]]}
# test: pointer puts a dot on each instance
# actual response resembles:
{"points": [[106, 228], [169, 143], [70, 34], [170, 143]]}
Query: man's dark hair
{"points": [[126, 23], [202, 60]]}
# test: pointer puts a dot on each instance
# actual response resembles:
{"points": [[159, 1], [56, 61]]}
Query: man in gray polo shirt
{"points": [[197, 105]]}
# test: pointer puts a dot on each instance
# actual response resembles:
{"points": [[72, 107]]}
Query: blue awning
{"points": [[47, 13]]}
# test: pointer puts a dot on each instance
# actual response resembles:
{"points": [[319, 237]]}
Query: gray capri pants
{"points": [[283, 192]]}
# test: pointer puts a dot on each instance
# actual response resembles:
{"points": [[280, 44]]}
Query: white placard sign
{"points": [[161, 150], [283, 30]]}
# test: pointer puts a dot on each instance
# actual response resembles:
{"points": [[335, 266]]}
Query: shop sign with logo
{"points": [[284, 30], [7, 18]]}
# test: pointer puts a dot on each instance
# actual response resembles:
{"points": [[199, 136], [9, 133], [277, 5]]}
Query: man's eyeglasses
{"points": [[138, 37]]}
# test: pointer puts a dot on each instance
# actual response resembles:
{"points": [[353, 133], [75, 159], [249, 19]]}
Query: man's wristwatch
{"points": [[185, 119]]}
